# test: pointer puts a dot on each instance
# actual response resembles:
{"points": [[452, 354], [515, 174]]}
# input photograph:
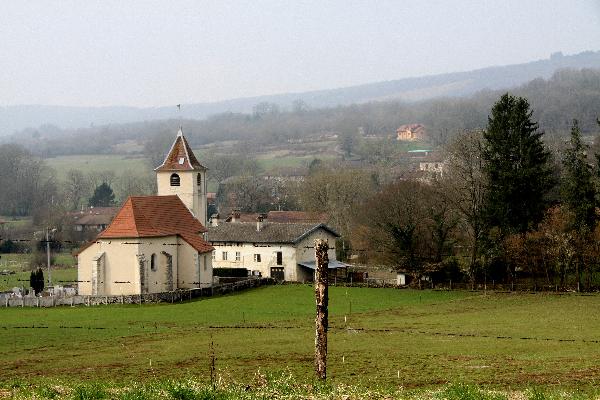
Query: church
{"points": [[155, 243]]}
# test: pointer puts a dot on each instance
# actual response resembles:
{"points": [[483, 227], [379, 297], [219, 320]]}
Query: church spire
{"points": [[180, 157]]}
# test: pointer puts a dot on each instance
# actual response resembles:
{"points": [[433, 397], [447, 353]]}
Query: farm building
{"points": [[411, 132], [95, 219], [283, 251], [155, 243]]}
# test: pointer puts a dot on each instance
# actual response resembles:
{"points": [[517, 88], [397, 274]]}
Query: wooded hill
{"points": [[566, 95], [457, 84]]}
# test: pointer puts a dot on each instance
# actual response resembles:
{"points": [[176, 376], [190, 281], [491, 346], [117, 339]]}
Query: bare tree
{"points": [[25, 181], [393, 227], [97, 178], [76, 188], [134, 184], [336, 193], [464, 185]]}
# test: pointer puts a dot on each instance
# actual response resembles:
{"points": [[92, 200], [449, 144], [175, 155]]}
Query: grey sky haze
{"points": [[156, 53]]}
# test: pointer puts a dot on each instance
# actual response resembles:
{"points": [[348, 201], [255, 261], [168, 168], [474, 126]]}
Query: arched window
{"points": [[153, 263], [199, 180], [175, 181]]}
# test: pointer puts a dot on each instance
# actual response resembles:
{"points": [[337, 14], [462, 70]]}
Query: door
{"points": [[277, 273]]}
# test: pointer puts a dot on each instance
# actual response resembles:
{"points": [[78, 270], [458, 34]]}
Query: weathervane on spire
{"points": [[179, 112]]}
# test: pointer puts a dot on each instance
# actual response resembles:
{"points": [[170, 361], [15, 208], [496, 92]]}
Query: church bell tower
{"points": [[182, 174]]}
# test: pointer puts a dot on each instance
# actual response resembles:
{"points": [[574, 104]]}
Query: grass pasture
{"points": [[97, 162], [64, 271], [378, 338], [269, 162]]}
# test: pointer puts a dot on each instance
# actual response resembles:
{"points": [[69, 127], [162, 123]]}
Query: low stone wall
{"points": [[166, 297]]}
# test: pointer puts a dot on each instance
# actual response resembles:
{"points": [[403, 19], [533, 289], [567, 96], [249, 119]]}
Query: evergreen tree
{"points": [[33, 280], [578, 192], [103, 196], [36, 280], [517, 167]]}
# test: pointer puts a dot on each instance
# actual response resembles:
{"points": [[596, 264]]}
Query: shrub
{"points": [[90, 392]]}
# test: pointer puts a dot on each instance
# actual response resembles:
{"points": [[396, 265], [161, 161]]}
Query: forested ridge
{"points": [[556, 101]]}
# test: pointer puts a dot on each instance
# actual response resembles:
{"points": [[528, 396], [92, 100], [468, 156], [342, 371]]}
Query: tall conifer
{"points": [[517, 166], [578, 191]]}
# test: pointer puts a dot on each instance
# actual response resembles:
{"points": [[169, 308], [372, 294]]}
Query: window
{"points": [[238, 256], [199, 180], [181, 160], [224, 256], [257, 258], [153, 265], [175, 181], [214, 255], [279, 258]]}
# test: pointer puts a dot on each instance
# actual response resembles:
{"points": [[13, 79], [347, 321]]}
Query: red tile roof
{"points": [[157, 216], [180, 157]]}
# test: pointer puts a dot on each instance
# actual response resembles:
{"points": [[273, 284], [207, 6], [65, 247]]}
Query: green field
{"points": [[416, 339], [269, 163], [98, 162], [119, 163], [63, 270]]}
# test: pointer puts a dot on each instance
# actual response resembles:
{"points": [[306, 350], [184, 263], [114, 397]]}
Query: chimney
{"points": [[259, 222], [235, 215], [214, 220]]}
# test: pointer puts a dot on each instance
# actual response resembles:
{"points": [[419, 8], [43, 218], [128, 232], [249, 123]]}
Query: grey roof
{"points": [[245, 232]]}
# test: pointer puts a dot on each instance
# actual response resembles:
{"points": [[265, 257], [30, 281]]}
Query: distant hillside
{"points": [[457, 84], [556, 101]]}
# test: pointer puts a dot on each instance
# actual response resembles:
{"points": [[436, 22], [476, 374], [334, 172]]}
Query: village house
{"points": [[411, 132], [432, 165], [283, 251], [154, 243], [94, 219]]}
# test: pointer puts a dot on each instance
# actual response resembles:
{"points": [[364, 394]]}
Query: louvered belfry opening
{"points": [[175, 180]]}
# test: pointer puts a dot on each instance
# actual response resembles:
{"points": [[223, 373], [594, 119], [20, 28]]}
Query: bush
{"points": [[90, 392], [8, 246], [36, 281], [468, 392]]}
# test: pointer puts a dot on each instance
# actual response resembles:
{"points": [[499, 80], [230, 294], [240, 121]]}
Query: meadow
{"points": [[63, 270], [97, 162], [270, 162], [385, 338]]}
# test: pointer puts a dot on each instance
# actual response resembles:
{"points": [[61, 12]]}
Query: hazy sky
{"points": [[146, 53]]}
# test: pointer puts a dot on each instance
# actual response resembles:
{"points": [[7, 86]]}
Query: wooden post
{"points": [[322, 300]]}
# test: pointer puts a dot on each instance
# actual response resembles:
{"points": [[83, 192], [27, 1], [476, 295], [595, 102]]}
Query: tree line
{"points": [[31, 188], [505, 207]]}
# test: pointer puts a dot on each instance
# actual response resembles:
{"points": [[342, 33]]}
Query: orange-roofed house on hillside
{"points": [[155, 243], [411, 132]]}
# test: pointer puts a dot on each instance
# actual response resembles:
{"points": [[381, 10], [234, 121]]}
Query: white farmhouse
{"points": [[283, 251]]}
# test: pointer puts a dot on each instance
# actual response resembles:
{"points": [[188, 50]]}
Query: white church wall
{"points": [[157, 280]]}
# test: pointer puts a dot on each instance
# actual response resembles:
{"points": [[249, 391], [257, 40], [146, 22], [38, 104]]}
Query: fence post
{"points": [[321, 296]]}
